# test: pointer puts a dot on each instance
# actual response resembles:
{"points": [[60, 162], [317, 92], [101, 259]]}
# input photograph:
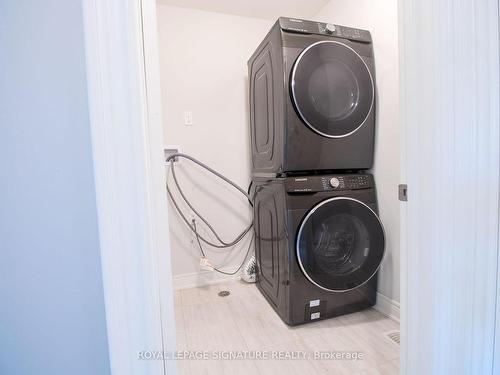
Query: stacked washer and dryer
{"points": [[319, 240]]}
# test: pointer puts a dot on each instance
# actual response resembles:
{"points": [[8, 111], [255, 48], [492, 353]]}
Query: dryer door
{"points": [[340, 244], [332, 89]]}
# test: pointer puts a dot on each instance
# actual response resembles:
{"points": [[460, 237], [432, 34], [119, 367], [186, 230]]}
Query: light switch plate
{"points": [[188, 118]]}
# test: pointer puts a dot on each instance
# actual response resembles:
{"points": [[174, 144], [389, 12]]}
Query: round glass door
{"points": [[340, 244], [332, 89]]}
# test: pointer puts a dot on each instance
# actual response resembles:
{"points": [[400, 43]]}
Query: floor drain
{"points": [[394, 336], [224, 293]]}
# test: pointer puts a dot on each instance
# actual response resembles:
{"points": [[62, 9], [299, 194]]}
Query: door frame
{"points": [[127, 137], [129, 167]]}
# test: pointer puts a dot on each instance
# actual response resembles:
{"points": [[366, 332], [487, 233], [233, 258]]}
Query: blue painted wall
{"points": [[52, 317]]}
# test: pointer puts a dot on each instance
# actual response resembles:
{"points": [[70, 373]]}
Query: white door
{"points": [[450, 99]]}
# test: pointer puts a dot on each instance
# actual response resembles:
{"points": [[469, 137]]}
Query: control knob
{"points": [[330, 28], [334, 182]]}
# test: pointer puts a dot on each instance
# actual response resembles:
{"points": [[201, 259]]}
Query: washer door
{"points": [[332, 89], [340, 244]]}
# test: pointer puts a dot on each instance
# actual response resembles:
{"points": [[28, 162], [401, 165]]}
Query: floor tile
{"points": [[244, 321]]}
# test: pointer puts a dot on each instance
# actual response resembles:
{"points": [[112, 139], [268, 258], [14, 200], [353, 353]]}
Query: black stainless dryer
{"points": [[319, 244], [312, 98]]}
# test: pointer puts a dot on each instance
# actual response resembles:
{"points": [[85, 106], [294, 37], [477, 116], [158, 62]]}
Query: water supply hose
{"points": [[192, 226]]}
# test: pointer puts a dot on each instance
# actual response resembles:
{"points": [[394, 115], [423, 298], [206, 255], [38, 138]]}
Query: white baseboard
{"points": [[387, 306], [202, 278]]}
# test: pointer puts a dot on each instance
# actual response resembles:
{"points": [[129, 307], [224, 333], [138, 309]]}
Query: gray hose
{"points": [[203, 239], [241, 235], [180, 155], [186, 221]]}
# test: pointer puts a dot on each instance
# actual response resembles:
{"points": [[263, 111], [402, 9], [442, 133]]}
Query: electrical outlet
{"points": [[172, 149], [188, 118]]}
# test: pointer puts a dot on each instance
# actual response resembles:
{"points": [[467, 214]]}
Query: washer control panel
{"points": [[310, 27], [313, 184]]}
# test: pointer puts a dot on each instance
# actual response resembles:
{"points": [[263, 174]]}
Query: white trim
{"points": [[388, 307], [158, 171], [127, 140], [202, 278]]}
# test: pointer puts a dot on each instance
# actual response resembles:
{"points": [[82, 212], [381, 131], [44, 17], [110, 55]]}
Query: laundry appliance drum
{"points": [[332, 89], [340, 244]]}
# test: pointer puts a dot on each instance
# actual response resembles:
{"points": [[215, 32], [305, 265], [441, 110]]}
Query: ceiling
{"points": [[267, 9]]}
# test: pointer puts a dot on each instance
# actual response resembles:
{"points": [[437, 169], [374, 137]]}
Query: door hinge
{"points": [[403, 192]]}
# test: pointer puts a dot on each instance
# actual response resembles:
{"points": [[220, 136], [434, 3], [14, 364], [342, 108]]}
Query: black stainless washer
{"points": [[318, 244]]}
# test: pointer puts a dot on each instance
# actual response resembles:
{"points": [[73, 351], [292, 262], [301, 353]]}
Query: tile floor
{"points": [[243, 321]]}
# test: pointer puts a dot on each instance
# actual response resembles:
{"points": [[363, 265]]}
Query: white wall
{"points": [[52, 315], [203, 59], [381, 18], [266, 9]]}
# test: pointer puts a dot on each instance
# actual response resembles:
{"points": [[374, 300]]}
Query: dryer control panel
{"points": [[314, 184], [297, 25]]}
